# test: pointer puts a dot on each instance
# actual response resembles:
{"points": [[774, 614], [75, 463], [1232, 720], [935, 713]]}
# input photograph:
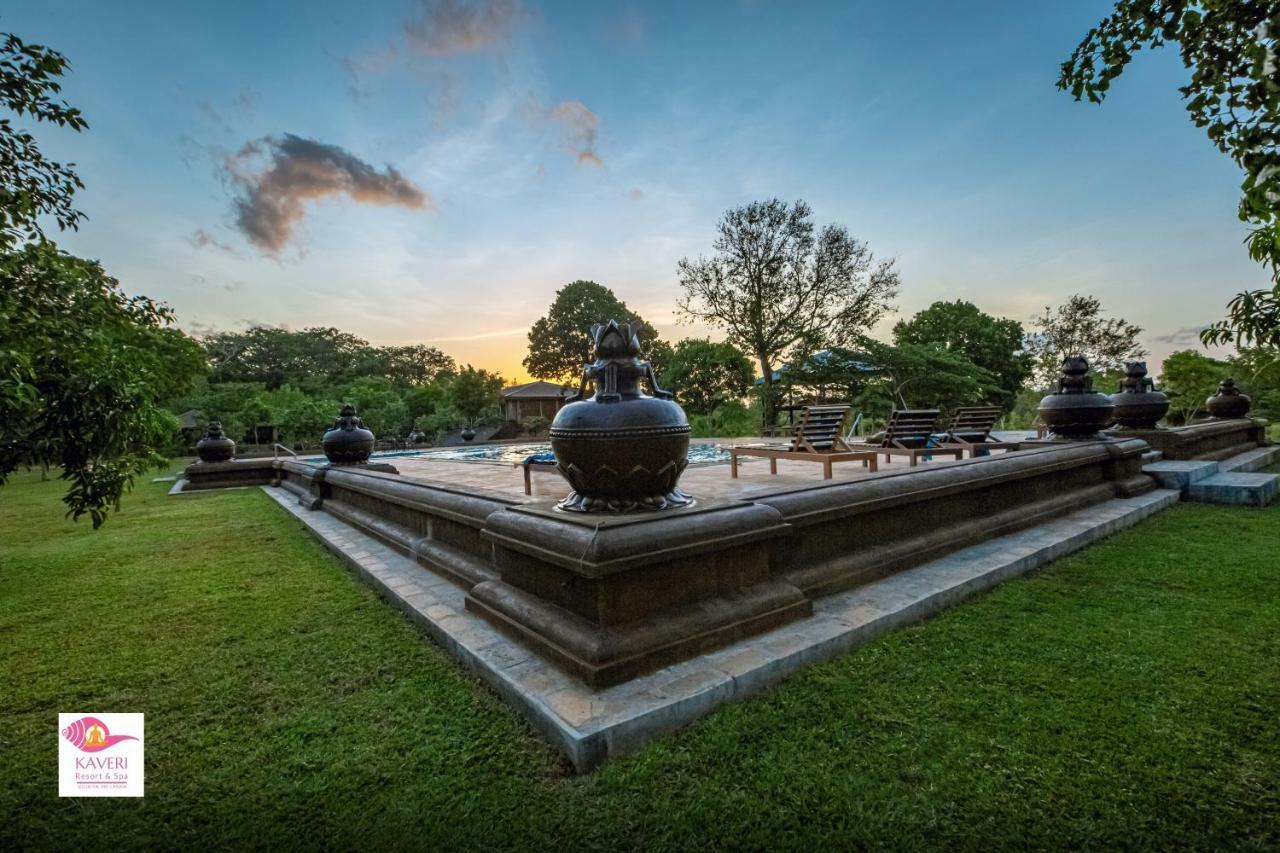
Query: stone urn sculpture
{"points": [[621, 449], [214, 446], [1229, 402], [1138, 404], [468, 433], [348, 442], [1075, 410]]}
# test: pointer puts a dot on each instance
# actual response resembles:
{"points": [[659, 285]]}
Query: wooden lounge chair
{"points": [[818, 437], [909, 433], [533, 463], [971, 429]]}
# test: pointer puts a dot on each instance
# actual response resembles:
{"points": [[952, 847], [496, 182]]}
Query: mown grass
{"points": [[1127, 697]]}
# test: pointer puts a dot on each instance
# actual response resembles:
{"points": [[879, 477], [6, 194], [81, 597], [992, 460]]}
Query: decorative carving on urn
{"points": [[621, 449], [214, 445], [348, 442], [1229, 402], [1138, 404], [1075, 410]]}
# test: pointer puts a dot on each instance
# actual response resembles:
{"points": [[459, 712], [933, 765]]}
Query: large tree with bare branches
{"points": [[780, 287]]}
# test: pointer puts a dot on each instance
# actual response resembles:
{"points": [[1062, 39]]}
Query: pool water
{"points": [[511, 454]]}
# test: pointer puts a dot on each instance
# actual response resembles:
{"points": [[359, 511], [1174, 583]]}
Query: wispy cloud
{"points": [[202, 239], [582, 129], [271, 198], [449, 27], [1187, 335]]}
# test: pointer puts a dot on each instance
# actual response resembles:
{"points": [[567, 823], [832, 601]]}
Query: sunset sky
{"points": [[433, 172]]}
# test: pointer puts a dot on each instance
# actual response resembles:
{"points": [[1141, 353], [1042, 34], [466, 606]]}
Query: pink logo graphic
{"points": [[89, 734]]}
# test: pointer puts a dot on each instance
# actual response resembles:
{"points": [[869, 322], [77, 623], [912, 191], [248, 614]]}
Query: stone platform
{"points": [[591, 725]]}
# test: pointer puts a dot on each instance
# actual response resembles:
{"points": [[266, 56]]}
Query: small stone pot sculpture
{"points": [[1138, 404], [622, 450], [468, 433], [1229, 402], [1075, 410], [348, 442], [214, 446]]}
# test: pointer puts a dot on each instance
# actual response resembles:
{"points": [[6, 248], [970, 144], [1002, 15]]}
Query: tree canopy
{"points": [[317, 359], [560, 343], [1230, 47], [1189, 377], [475, 393], [84, 373], [1078, 327], [779, 286], [703, 375], [993, 344], [31, 185]]}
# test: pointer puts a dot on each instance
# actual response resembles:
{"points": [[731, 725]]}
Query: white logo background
{"points": [[116, 771]]}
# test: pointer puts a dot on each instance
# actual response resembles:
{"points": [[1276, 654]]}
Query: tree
{"points": [[1230, 47], [411, 366], [994, 344], [303, 421], [703, 374], [777, 286], [918, 376], [560, 343], [475, 393], [84, 370], [1189, 377], [1078, 328], [30, 184], [832, 375]]}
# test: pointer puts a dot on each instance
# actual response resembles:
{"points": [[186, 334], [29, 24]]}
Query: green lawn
{"points": [[1127, 697]]}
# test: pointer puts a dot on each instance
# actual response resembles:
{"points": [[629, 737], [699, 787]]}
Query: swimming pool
{"points": [[702, 453]]}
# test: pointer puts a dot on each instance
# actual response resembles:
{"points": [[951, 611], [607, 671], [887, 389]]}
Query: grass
{"points": [[1127, 697]]}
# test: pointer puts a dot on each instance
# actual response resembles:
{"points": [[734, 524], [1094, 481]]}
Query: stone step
{"points": [[1151, 456], [1251, 460], [1236, 489], [1177, 474]]}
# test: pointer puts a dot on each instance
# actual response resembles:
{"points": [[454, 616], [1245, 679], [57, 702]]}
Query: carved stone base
{"points": [[576, 502], [1208, 440], [611, 597]]}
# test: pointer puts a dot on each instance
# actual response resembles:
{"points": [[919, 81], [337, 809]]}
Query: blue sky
{"points": [[548, 142]]}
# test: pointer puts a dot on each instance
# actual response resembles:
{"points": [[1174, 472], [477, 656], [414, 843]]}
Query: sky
{"points": [[432, 171]]}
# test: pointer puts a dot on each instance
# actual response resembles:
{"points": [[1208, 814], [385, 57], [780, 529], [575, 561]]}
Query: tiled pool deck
{"points": [[704, 481]]}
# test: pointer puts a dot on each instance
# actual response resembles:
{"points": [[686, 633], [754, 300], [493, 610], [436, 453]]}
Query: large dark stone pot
{"points": [[214, 446], [468, 434], [1075, 410], [1138, 405], [1229, 402], [348, 442], [621, 449]]}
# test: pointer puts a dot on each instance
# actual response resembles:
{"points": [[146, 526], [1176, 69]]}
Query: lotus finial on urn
{"points": [[621, 449], [1075, 411], [348, 442], [215, 445], [1229, 402], [1138, 404]]}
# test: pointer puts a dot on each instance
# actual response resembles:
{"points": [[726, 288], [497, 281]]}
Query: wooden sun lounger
{"points": [[818, 437], [529, 465], [971, 429], [908, 434]]}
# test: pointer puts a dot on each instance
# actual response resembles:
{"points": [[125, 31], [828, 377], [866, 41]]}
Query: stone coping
{"points": [[591, 725]]}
